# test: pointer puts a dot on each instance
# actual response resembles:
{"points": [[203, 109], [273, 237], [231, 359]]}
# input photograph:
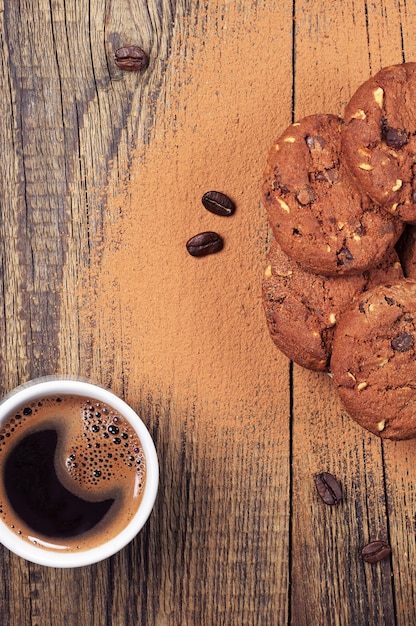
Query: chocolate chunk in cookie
{"points": [[374, 360], [379, 139], [317, 215], [406, 249], [302, 308]]}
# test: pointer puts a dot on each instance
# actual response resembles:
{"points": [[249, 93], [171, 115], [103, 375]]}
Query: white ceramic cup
{"points": [[47, 386]]}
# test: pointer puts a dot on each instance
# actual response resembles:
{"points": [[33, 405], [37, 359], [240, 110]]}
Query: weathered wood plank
{"points": [[337, 46], [216, 548], [69, 112], [398, 20], [193, 332], [101, 175], [326, 544]]}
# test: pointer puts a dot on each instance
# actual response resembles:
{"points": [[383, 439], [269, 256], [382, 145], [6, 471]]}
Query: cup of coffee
{"points": [[78, 472]]}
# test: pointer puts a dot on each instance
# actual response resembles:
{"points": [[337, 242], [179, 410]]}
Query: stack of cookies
{"points": [[339, 290]]}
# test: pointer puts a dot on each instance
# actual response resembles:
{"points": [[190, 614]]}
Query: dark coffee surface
{"points": [[37, 495], [73, 472]]}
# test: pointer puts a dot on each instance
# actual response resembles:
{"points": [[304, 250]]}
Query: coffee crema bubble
{"points": [[73, 472]]}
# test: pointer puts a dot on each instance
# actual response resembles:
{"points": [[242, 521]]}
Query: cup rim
{"points": [[46, 386]]}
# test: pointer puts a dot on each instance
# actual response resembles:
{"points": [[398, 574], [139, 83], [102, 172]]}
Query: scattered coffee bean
{"points": [[375, 551], [204, 243], [131, 59], [403, 342], [328, 488], [218, 203]]}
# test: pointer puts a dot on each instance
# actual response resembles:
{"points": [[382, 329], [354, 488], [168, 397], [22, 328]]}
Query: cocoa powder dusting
{"points": [[195, 327]]}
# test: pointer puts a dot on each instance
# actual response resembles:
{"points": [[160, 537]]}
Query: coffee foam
{"points": [[99, 455]]}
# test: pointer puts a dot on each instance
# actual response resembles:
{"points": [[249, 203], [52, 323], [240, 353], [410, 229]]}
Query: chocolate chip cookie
{"points": [[302, 308], [379, 139], [317, 215], [374, 360]]}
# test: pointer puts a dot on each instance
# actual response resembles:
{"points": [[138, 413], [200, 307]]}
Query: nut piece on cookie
{"points": [[317, 214], [375, 343], [302, 308], [380, 121]]}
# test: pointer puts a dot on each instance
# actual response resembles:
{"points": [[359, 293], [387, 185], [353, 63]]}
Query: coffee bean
{"points": [[204, 244], [131, 59], [328, 488], [375, 551], [218, 203], [403, 342]]}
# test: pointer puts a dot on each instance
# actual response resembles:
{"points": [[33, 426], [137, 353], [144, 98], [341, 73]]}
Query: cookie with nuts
{"points": [[302, 308], [374, 360], [379, 139], [317, 215]]}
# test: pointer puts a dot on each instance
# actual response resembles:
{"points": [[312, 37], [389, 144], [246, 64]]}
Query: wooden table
{"points": [[102, 173]]}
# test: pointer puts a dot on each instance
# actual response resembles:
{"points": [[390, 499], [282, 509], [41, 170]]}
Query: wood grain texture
{"points": [[363, 594], [198, 356], [101, 174]]}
